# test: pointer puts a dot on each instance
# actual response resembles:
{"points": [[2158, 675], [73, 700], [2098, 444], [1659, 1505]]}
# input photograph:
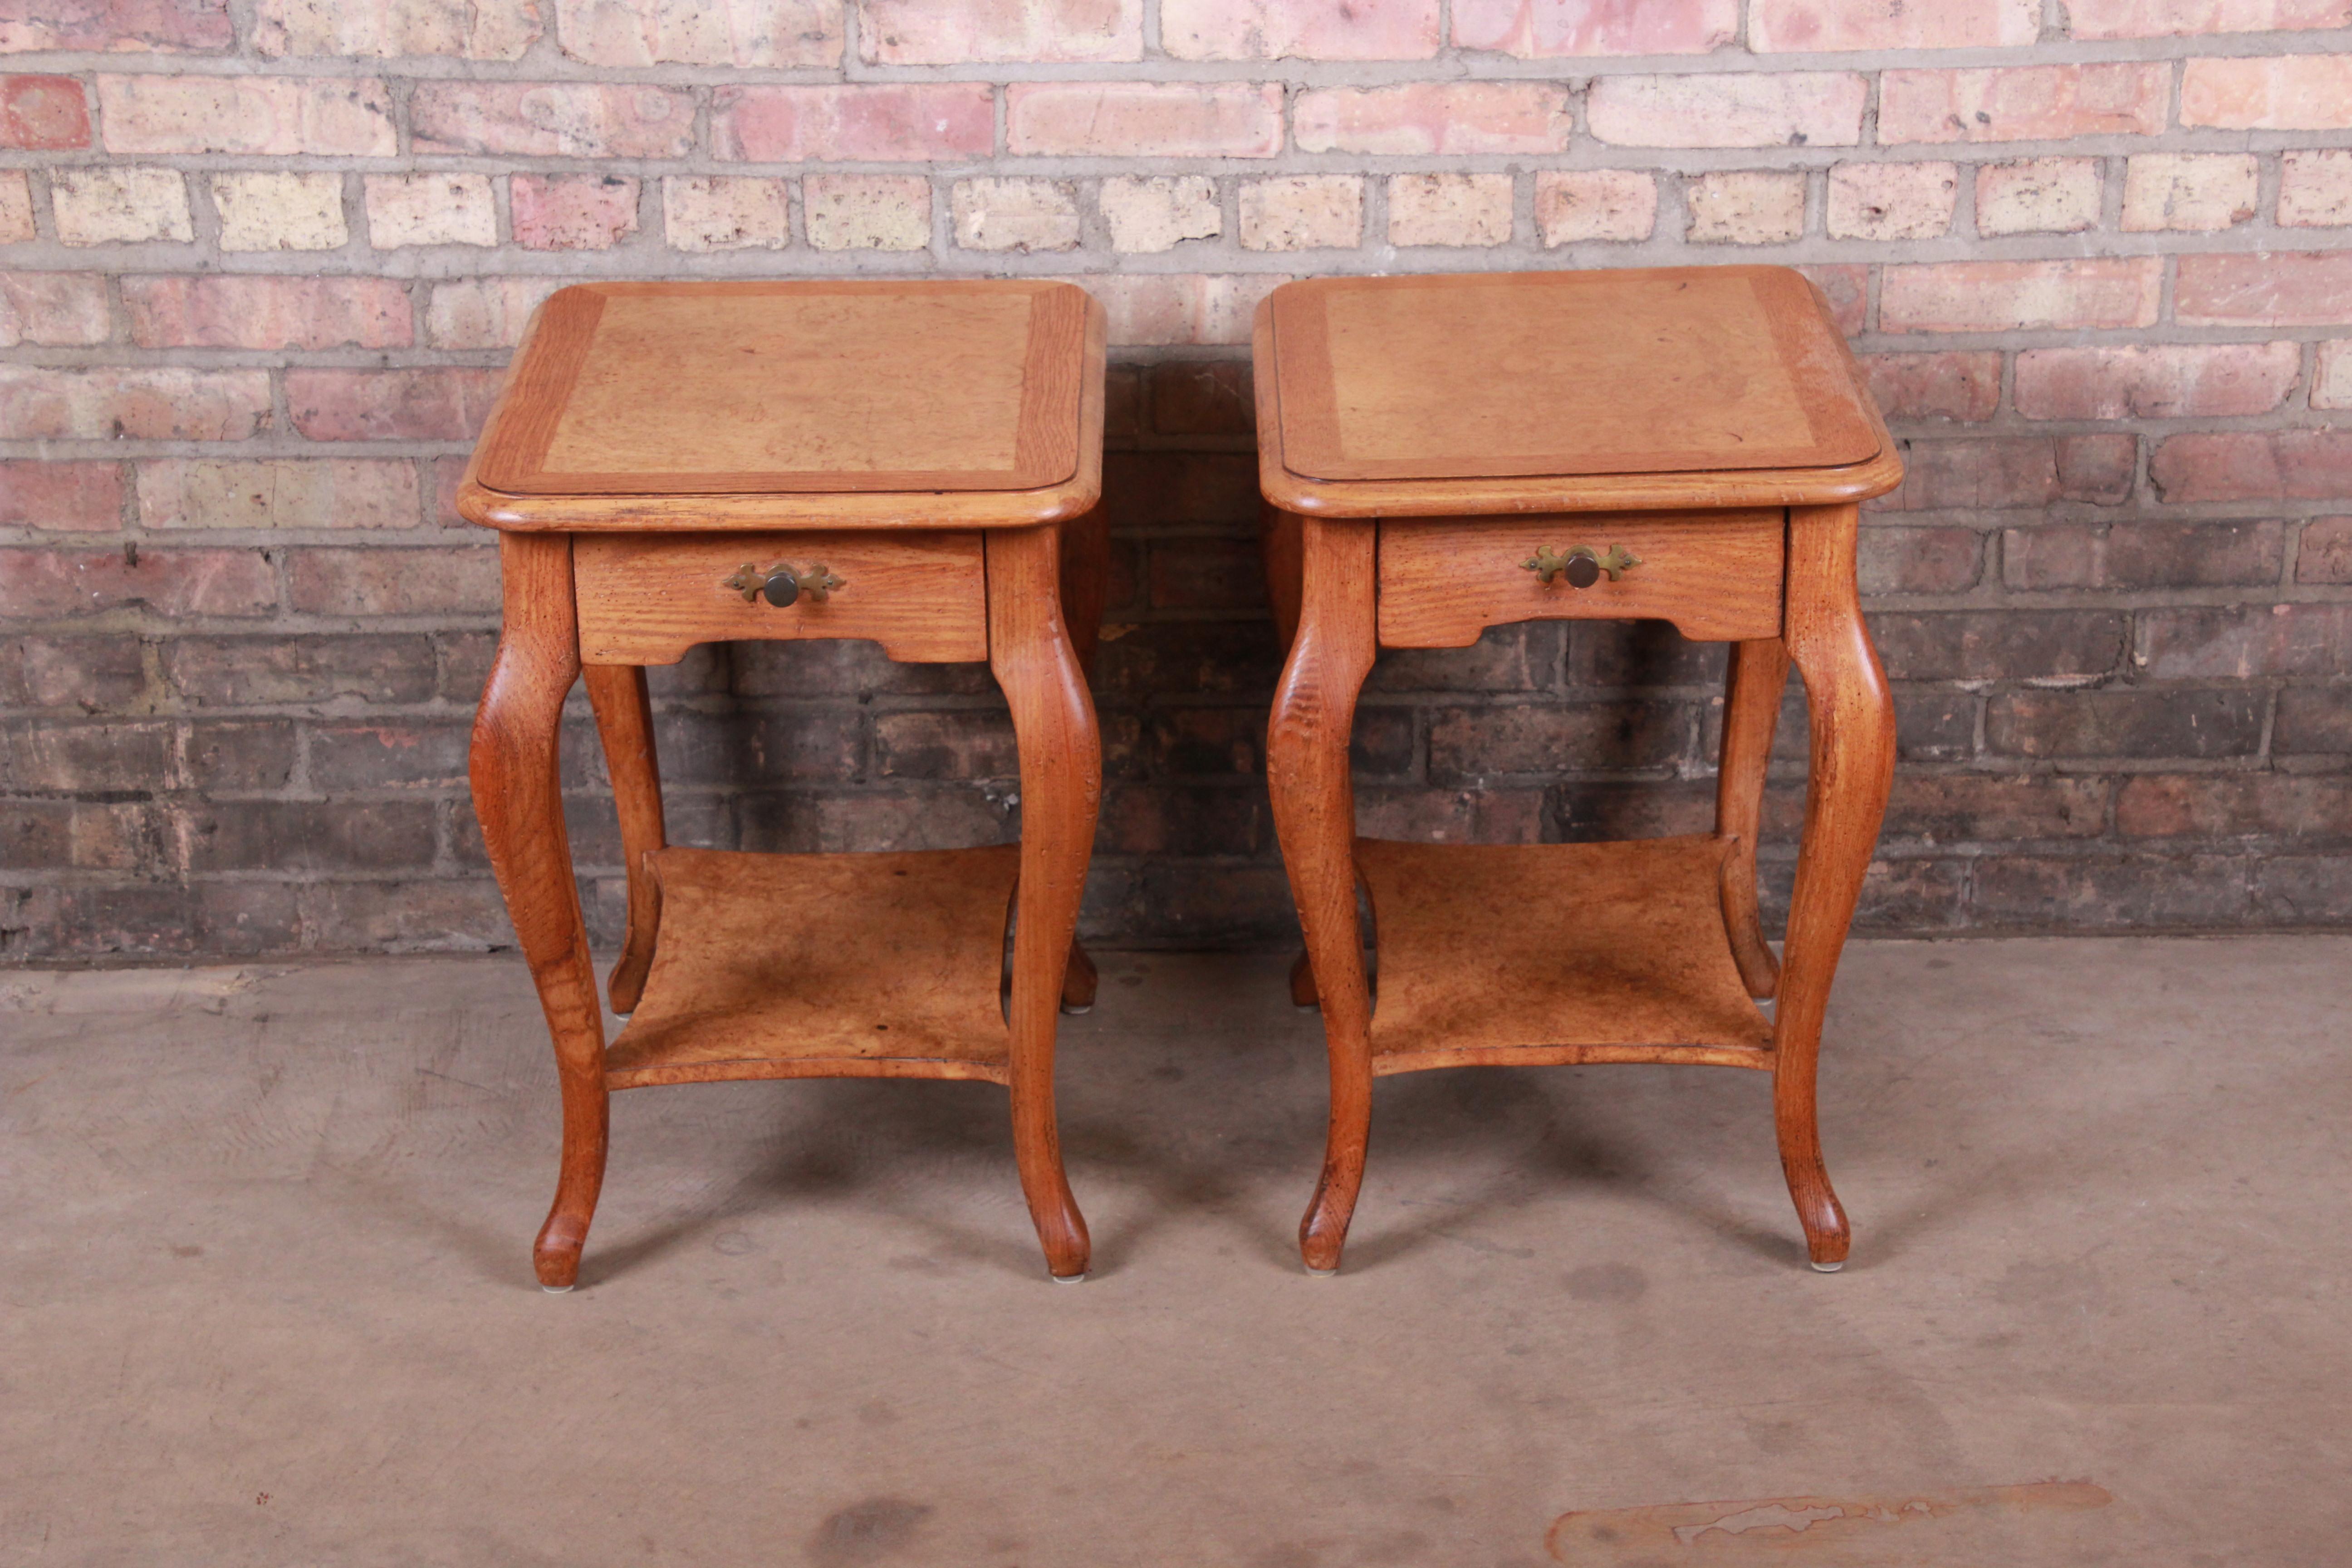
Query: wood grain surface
{"points": [[624, 727]]}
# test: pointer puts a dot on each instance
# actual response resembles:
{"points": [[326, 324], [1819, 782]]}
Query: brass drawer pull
{"points": [[780, 585], [1580, 566]]}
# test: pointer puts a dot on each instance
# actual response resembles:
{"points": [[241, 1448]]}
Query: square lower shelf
{"points": [[870, 965], [1542, 954]]}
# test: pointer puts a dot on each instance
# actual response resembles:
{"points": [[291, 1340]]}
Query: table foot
{"points": [[1321, 1273], [1828, 1268], [1070, 1279], [1072, 1011], [556, 1290]]}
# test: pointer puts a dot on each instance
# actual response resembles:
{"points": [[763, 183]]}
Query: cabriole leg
{"points": [[1086, 588], [625, 723], [1759, 672]]}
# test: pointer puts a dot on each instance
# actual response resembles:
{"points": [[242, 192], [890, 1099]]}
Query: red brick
{"points": [[1749, 108], [2166, 381], [2231, 805], [572, 212], [1143, 120], [393, 581], [2011, 296], [2023, 103], [2254, 465], [1468, 745], [1897, 559], [1965, 387], [924, 33], [61, 497], [1427, 118], [118, 25], [161, 403], [54, 309], [1776, 27], [1959, 808], [898, 121], [107, 673], [2264, 288], [390, 404], [312, 666], [2240, 642], [2176, 19], [1995, 473], [2127, 555], [268, 312], [570, 119], [1548, 29], [1206, 575], [2125, 722], [332, 116], [1994, 645], [43, 113], [2273, 92], [1283, 29], [53, 584], [2326, 553]]}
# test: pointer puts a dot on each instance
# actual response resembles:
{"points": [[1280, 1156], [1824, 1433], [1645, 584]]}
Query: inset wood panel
{"points": [[1715, 575], [1523, 954], [823, 966], [646, 598], [1659, 369]]}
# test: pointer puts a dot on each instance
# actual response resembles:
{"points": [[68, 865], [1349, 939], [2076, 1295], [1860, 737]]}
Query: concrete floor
{"points": [[264, 1291]]}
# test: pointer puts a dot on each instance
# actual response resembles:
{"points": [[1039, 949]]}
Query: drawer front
{"points": [[1716, 575], [646, 598]]}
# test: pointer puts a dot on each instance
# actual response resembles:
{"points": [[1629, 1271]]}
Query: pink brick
{"points": [[2166, 381], [570, 120], [2254, 465], [1963, 386], [43, 113], [2011, 296], [2331, 387], [898, 122], [156, 402], [41, 584], [2265, 288], [928, 33], [1751, 108], [1801, 26], [2286, 92], [572, 212], [1577, 206], [57, 309], [390, 404], [1143, 120], [1846, 286], [272, 492], [119, 25], [81, 498], [1425, 119], [1550, 29], [439, 581], [471, 29], [1283, 29], [329, 116], [484, 312], [2316, 189], [2177, 19], [2205, 191], [15, 207], [758, 34], [1161, 308], [2023, 103], [268, 312], [2324, 552]]}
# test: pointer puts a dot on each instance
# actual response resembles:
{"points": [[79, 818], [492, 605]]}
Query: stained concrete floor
{"points": [[265, 1294]]}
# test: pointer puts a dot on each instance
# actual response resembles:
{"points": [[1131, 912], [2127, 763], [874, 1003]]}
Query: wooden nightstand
{"points": [[916, 463], [1443, 454]]}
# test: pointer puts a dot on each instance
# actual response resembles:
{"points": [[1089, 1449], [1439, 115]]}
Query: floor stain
{"points": [[867, 1531], [1894, 1530]]}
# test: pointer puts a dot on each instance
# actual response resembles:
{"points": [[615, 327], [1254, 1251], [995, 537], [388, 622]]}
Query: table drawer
{"points": [[1714, 575], [646, 598]]}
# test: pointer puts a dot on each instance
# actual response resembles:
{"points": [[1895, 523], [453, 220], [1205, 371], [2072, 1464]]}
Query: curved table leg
{"points": [[625, 723], [1852, 717], [1085, 589], [1759, 672], [519, 802], [1315, 818], [1031, 652]]}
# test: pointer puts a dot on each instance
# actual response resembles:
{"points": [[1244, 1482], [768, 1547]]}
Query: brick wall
{"points": [[261, 260]]}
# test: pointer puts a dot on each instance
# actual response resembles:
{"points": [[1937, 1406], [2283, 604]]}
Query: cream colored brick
{"points": [[2316, 189], [1892, 201], [15, 207], [2332, 387], [1450, 209], [868, 212], [118, 205], [265, 493], [270, 211], [1015, 215], [703, 213], [2189, 190], [753, 34], [1303, 212], [475, 29], [430, 209], [1575, 205], [484, 312], [1746, 206], [2038, 195], [1161, 213]]}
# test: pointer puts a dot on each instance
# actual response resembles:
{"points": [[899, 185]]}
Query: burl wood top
{"points": [[1561, 391], [859, 404]]}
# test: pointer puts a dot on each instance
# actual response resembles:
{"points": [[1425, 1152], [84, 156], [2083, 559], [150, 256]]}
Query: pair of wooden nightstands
{"points": [[920, 463]]}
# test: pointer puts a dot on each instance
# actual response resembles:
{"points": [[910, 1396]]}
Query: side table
{"points": [[1444, 454], [916, 463]]}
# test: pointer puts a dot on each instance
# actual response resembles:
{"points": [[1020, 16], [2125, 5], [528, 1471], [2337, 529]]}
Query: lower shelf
{"points": [[1540, 953], [877, 966]]}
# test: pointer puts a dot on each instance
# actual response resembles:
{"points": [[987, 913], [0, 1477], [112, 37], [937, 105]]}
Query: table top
{"points": [[862, 403], [1526, 391]]}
